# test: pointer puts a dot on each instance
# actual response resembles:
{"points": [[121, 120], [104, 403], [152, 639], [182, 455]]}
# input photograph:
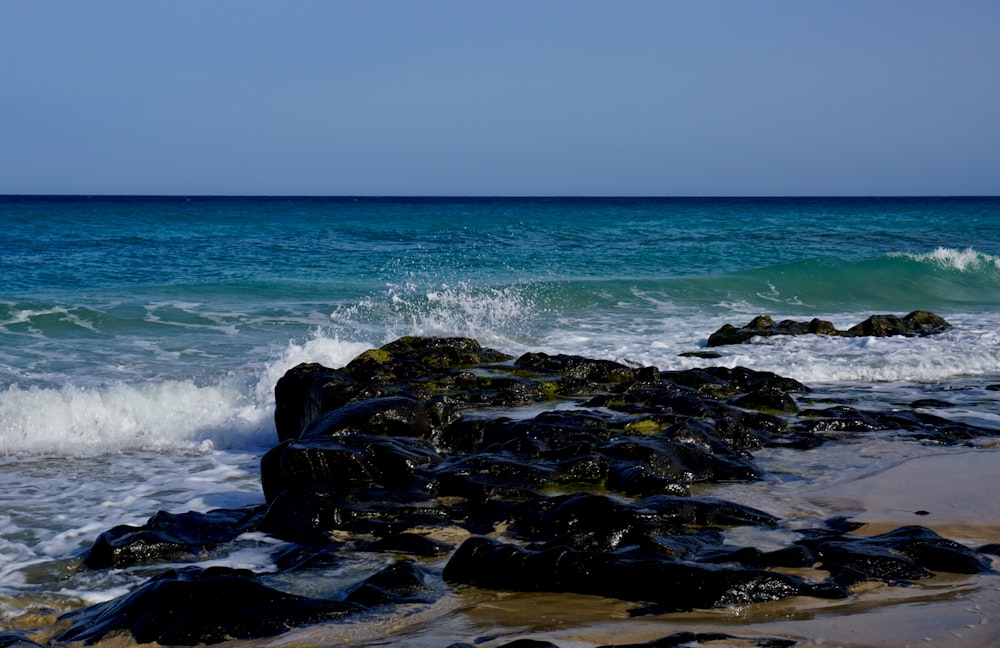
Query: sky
{"points": [[502, 98]]}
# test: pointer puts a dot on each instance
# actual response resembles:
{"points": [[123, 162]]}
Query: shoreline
{"points": [[790, 515]]}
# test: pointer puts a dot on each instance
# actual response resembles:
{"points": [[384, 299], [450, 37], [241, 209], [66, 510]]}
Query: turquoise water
{"points": [[101, 289], [140, 338]]}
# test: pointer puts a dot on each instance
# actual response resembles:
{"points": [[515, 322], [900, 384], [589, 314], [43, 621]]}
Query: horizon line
{"points": [[495, 196]]}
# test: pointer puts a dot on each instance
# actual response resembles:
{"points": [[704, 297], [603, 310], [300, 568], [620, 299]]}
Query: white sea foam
{"points": [[94, 420], [970, 348], [965, 260]]}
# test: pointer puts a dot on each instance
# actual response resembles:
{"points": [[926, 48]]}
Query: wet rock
{"points": [[408, 543], [917, 323], [387, 416], [199, 606], [767, 400], [601, 522], [310, 516], [348, 462], [708, 639], [517, 643], [764, 326], [171, 536], [414, 358], [677, 462], [399, 583], [13, 639], [669, 585], [931, 403], [841, 419], [489, 476], [904, 554], [395, 369], [912, 324], [578, 367], [306, 391]]}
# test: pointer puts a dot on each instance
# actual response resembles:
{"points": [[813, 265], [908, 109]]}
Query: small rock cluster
{"points": [[917, 323]]}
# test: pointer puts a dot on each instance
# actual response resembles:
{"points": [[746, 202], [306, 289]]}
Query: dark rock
{"points": [[767, 400], [705, 638], [387, 416], [764, 326], [299, 557], [401, 582], [678, 461], [521, 643], [416, 358], [931, 403], [914, 324], [485, 476], [13, 639], [913, 424], [199, 606], [904, 554], [670, 585], [308, 515], [409, 543], [933, 552], [749, 380], [992, 548], [707, 355], [171, 536], [600, 516], [345, 463], [580, 368], [305, 392]]}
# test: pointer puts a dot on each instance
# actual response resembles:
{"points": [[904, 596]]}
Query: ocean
{"points": [[141, 337]]}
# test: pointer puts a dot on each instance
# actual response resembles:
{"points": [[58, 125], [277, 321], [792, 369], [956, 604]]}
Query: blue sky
{"points": [[438, 97]]}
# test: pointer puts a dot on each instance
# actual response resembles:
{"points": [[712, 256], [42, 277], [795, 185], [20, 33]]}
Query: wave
{"points": [[86, 421], [945, 279], [233, 412]]}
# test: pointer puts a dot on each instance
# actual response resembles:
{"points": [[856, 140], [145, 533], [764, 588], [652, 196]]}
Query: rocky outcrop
{"points": [[917, 323], [542, 473]]}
